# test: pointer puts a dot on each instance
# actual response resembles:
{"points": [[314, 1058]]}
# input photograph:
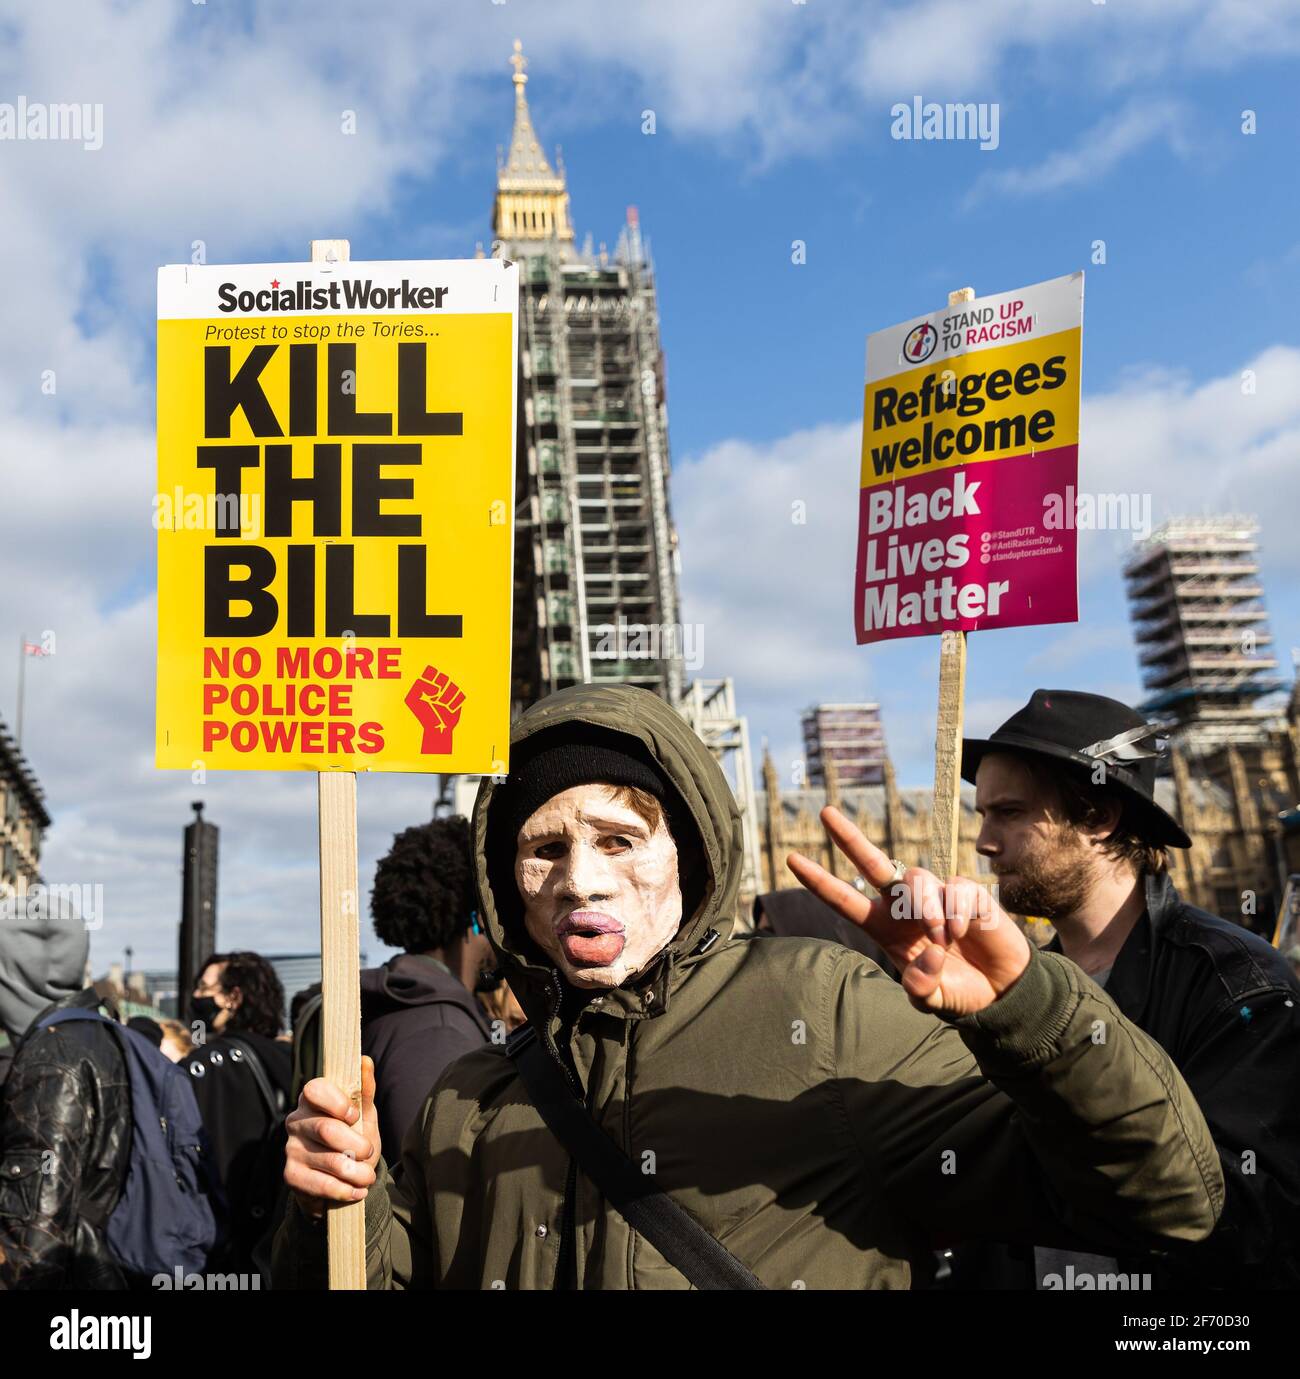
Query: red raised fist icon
{"points": [[436, 702]]}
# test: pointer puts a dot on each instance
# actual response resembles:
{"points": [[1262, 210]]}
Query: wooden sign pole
{"points": [[946, 817], [340, 953]]}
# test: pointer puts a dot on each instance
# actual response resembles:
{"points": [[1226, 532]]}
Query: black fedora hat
{"points": [[1079, 730]]}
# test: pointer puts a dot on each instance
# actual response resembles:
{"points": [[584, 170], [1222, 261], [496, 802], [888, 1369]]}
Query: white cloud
{"points": [[226, 127], [942, 48], [1079, 643], [749, 518], [903, 48], [1226, 31], [1211, 447], [775, 597], [1098, 152]]}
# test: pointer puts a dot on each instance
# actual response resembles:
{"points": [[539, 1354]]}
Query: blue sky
{"points": [[1120, 123]]}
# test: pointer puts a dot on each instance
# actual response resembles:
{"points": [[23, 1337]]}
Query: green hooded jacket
{"points": [[787, 1094]]}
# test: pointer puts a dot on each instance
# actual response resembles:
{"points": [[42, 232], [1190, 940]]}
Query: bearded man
{"points": [[1071, 828], [692, 1107]]}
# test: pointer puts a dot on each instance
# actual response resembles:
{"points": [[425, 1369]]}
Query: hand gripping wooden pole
{"points": [[945, 819], [340, 955]]}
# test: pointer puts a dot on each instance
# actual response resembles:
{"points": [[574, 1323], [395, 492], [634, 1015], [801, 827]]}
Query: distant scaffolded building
{"points": [[709, 706], [848, 735], [23, 818], [1205, 650], [1202, 632], [1244, 835], [595, 594], [847, 765]]}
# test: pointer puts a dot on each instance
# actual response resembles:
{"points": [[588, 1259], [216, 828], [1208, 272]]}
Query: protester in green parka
{"points": [[802, 1107]]}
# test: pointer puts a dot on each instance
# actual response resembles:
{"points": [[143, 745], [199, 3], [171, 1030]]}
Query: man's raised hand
{"points": [[332, 1150], [956, 948]]}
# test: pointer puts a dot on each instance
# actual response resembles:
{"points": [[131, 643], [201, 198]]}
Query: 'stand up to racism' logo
{"points": [[920, 343]]}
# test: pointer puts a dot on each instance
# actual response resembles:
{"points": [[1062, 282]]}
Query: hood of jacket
{"points": [[411, 979], [42, 959], [622, 711]]}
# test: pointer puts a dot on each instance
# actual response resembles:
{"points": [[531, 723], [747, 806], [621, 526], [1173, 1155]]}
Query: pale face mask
{"points": [[600, 888]]}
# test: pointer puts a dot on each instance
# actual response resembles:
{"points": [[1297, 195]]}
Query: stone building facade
{"points": [[1239, 804], [895, 819], [23, 818], [1234, 801]]}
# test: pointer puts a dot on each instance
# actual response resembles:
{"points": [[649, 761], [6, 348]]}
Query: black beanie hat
{"points": [[554, 760], [557, 768]]}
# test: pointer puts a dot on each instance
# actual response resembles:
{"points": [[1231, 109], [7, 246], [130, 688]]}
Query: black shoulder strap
{"points": [[682, 1241], [274, 1102]]}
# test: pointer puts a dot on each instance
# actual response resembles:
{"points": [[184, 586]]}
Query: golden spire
{"points": [[531, 202]]}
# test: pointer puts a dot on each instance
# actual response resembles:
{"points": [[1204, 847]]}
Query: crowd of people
{"points": [[70, 1107], [580, 1072]]}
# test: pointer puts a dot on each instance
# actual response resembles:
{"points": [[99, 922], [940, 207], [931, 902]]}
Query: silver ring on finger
{"points": [[899, 869]]}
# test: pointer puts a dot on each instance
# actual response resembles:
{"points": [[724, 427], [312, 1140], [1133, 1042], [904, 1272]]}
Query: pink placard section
{"points": [[989, 544]]}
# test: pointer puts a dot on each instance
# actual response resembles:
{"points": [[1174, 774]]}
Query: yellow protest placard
{"points": [[334, 504]]}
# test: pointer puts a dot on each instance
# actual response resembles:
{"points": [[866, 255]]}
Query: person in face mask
{"points": [[242, 1076], [693, 1106], [206, 1002]]}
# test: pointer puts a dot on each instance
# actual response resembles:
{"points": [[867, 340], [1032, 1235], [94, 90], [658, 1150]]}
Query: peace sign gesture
{"points": [[956, 947]]}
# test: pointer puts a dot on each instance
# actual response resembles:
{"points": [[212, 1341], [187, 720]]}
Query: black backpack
{"points": [[163, 1219]]}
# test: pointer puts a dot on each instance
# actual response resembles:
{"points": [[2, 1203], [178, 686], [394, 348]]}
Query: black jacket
{"points": [[416, 1018], [242, 1130], [1225, 1006], [65, 1145]]}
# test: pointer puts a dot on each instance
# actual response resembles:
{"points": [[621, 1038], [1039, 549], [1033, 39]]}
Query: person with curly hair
{"points": [[242, 1076], [418, 1011]]}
